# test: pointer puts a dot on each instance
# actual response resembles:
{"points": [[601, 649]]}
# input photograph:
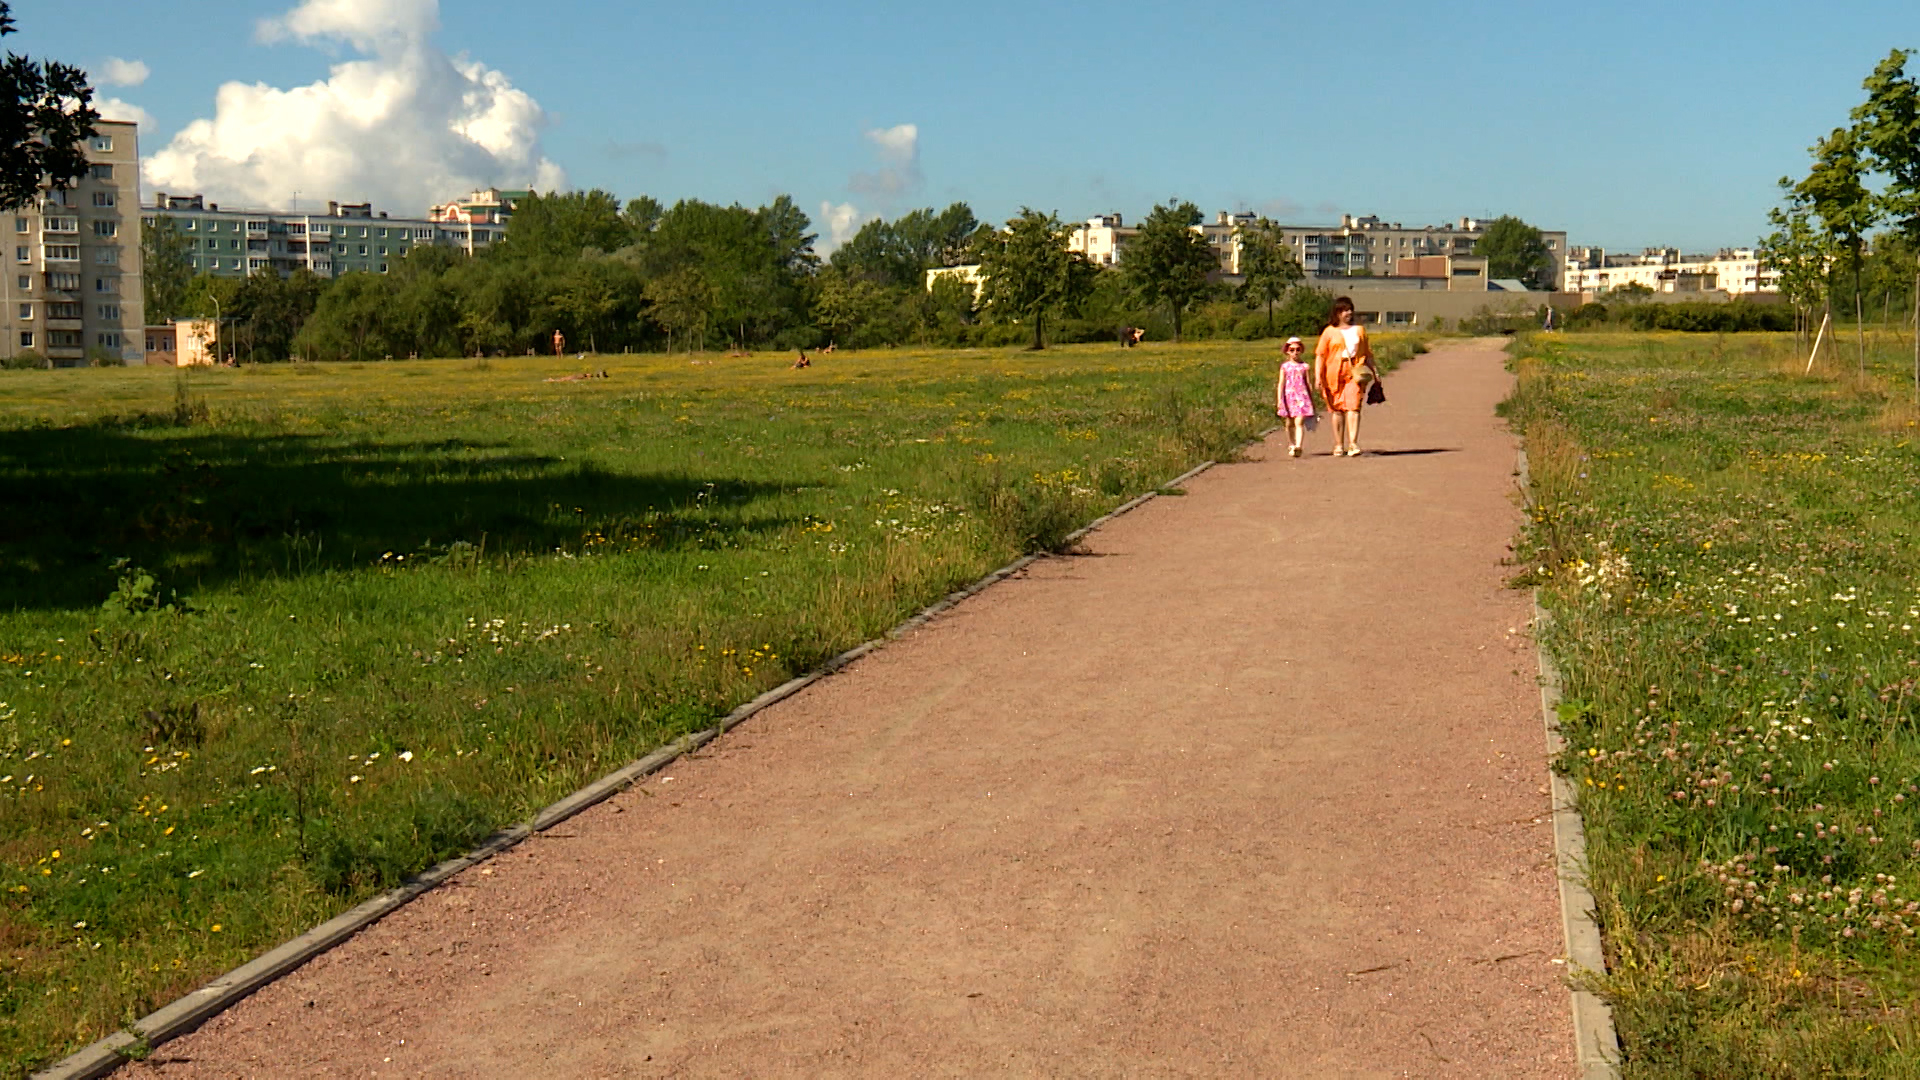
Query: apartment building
{"points": [[1736, 271], [71, 292], [344, 237], [484, 214], [1357, 247]]}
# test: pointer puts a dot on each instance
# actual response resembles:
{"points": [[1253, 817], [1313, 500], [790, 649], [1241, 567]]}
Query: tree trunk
{"points": [[1269, 316], [1039, 328], [1859, 313], [1916, 333], [1176, 323]]}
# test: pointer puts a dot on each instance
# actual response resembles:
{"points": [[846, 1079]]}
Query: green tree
{"points": [[1515, 249], [1168, 261], [1029, 273], [683, 302], [951, 301], [1267, 265], [352, 321], [1797, 251], [1835, 189], [166, 269], [590, 294], [1889, 126], [563, 224], [900, 252], [46, 117]]}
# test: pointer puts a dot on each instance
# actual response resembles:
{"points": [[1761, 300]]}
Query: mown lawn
{"points": [[273, 638], [1729, 551]]}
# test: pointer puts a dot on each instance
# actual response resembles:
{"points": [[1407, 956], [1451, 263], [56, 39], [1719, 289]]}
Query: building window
{"points": [[101, 172], [61, 225], [108, 339], [110, 311], [106, 228], [107, 256], [103, 285], [63, 252], [383, 268], [382, 250], [63, 309], [23, 253], [26, 312], [26, 282], [363, 247], [103, 198], [20, 225], [65, 339], [101, 144], [65, 282], [26, 339]]}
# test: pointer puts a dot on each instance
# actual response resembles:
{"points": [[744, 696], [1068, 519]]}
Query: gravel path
{"points": [[1255, 787]]}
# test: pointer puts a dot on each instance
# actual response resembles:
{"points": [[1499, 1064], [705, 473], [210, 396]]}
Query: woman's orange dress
{"points": [[1337, 384]]}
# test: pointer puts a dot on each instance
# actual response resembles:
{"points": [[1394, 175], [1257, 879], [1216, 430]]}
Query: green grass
{"points": [[1729, 550], [271, 639]]}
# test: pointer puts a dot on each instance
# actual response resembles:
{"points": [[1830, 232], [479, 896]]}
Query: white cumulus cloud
{"points": [[404, 125], [897, 149], [841, 221], [112, 108], [118, 72]]}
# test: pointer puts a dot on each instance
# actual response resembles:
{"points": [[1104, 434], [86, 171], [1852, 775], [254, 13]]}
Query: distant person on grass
{"points": [[1293, 399], [1343, 369]]}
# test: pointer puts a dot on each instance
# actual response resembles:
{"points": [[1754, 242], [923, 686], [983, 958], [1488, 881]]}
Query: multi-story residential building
{"points": [[345, 237], [1736, 271], [1357, 247], [71, 291], [485, 214]]}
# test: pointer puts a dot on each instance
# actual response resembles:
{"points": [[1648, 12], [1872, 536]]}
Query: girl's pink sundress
{"points": [[1295, 398]]}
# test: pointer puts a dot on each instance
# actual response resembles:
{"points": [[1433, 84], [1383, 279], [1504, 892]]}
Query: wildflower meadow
{"points": [[1727, 546], [273, 638]]}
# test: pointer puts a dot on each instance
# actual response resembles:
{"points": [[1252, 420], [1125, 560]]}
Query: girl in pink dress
{"points": [[1294, 402]]}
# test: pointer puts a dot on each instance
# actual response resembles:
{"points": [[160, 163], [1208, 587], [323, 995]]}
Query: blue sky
{"points": [[1627, 125]]}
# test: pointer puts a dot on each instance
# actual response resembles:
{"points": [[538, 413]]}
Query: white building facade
{"points": [[1736, 271], [1358, 247]]}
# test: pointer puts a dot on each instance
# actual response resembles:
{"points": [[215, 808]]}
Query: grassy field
{"points": [[273, 638], [1729, 550]]}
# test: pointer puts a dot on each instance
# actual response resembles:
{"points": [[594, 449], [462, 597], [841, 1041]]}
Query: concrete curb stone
{"points": [[1596, 1041], [187, 1013]]}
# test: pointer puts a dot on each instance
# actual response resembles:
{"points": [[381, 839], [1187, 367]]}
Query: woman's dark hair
{"points": [[1342, 304]]}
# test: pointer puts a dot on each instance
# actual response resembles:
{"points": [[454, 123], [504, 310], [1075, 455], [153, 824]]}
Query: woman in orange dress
{"points": [[1342, 367]]}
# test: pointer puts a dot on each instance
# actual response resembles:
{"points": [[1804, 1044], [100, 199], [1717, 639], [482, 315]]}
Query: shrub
{"points": [[24, 360]]}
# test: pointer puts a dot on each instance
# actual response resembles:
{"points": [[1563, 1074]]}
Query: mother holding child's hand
{"points": [[1342, 369]]}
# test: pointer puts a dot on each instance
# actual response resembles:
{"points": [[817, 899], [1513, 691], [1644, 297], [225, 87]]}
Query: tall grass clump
{"points": [[1726, 545]]}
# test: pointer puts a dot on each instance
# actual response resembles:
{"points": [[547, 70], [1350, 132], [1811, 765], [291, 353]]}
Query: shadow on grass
{"points": [[204, 509]]}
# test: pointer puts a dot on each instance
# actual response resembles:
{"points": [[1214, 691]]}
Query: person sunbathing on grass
{"points": [[803, 361]]}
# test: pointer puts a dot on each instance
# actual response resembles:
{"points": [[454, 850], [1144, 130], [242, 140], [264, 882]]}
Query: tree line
{"points": [[1849, 230], [645, 277]]}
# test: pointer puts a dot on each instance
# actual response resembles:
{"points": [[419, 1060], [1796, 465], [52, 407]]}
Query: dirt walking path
{"points": [[1256, 787]]}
